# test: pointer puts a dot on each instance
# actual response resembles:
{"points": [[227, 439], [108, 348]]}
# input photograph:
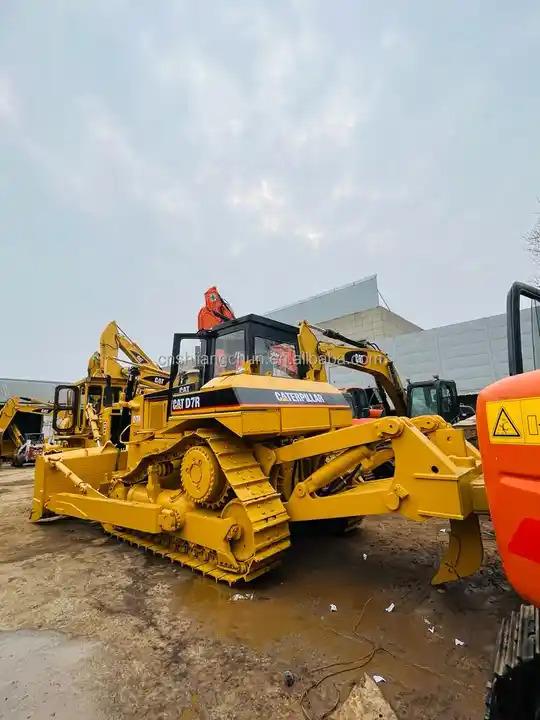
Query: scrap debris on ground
{"points": [[93, 628]]}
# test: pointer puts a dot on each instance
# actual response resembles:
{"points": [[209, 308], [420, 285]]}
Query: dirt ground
{"points": [[92, 628]]}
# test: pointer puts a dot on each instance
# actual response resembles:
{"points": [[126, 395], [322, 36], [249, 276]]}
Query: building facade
{"points": [[36, 389], [473, 353]]}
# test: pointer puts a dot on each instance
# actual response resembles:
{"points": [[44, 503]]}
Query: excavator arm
{"points": [[356, 355], [107, 363]]}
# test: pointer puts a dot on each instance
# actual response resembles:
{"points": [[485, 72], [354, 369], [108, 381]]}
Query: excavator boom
{"points": [[362, 356], [107, 362]]}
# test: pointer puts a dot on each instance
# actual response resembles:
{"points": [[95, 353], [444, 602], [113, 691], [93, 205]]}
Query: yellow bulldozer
{"points": [[21, 428], [248, 438]]}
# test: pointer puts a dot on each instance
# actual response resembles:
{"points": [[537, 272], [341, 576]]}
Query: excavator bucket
{"points": [[465, 552]]}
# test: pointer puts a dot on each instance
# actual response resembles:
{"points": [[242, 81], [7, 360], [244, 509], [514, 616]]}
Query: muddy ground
{"points": [[91, 628]]}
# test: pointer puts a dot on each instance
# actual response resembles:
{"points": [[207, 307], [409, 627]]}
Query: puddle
{"points": [[290, 618], [289, 611], [42, 676]]}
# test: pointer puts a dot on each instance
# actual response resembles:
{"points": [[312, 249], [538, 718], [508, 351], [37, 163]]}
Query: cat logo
{"points": [[186, 403]]}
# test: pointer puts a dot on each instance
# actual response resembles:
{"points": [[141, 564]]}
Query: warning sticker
{"points": [[514, 421], [504, 426]]}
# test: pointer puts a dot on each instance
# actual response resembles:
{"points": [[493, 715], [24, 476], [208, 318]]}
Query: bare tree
{"points": [[532, 240]]}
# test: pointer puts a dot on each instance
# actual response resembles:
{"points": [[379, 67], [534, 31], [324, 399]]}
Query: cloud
{"points": [[396, 40], [9, 102], [312, 238], [348, 142], [102, 170], [262, 196]]}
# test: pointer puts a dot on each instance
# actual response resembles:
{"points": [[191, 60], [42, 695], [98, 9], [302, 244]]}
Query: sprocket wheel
{"points": [[243, 546], [202, 478]]}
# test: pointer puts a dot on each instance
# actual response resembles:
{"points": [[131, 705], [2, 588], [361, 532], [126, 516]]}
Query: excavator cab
{"points": [[433, 397], [270, 345], [65, 409]]}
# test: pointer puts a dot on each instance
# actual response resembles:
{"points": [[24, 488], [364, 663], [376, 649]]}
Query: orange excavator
{"points": [[214, 311], [508, 423]]}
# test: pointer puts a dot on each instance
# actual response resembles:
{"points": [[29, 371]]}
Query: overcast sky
{"points": [[276, 149]]}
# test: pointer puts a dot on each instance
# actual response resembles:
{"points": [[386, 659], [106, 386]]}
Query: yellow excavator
{"points": [[248, 438], [21, 428], [86, 413], [426, 397]]}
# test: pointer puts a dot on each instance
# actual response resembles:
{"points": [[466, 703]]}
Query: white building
{"points": [[35, 389], [473, 353]]}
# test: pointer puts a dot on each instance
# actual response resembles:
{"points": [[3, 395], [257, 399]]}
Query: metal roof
{"points": [[37, 389], [354, 297]]}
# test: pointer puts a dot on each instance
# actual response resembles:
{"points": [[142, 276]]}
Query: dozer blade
{"points": [[465, 552]]}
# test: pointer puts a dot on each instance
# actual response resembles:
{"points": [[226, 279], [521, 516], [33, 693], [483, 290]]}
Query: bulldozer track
{"points": [[191, 557], [267, 516]]}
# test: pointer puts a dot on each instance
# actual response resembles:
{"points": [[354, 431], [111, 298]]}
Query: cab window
{"points": [[423, 401], [446, 401], [229, 352], [94, 397], [276, 358]]}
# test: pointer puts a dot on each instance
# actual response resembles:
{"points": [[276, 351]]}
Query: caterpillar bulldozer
{"points": [[21, 425], [249, 438], [246, 442]]}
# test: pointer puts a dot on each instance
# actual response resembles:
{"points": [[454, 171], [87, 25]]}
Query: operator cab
{"points": [[70, 401], [435, 397], [199, 357]]}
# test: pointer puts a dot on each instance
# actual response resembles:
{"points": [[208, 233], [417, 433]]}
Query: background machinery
{"points": [[214, 311], [427, 397], [21, 428], [88, 412], [218, 467]]}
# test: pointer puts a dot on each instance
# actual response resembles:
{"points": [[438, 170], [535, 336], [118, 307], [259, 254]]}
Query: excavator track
{"points": [[257, 506], [514, 693]]}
